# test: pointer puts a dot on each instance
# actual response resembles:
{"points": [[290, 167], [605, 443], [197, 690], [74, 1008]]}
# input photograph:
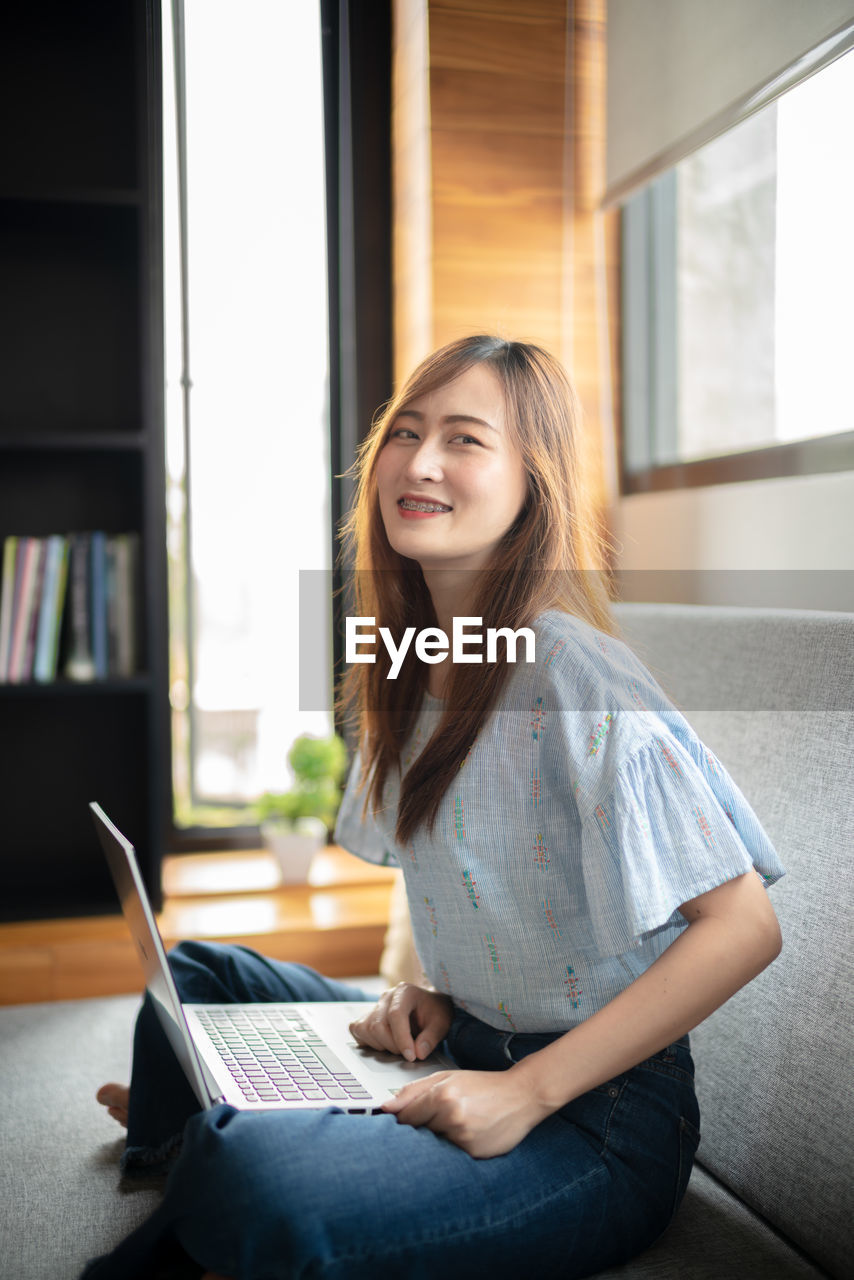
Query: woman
{"points": [[581, 879]]}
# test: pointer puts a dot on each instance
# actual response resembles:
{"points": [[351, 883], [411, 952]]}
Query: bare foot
{"points": [[115, 1098]]}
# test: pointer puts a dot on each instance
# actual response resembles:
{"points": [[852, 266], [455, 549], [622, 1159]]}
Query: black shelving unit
{"points": [[81, 424]]}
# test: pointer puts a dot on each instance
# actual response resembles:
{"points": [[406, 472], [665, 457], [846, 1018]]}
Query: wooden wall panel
{"points": [[515, 139], [412, 248], [520, 10], [496, 100], [518, 43], [594, 349]]}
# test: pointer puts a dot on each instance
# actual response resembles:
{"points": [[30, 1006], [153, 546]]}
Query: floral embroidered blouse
{"points": [[586, 811]]}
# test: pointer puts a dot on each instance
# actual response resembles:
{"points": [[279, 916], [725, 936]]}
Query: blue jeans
{"points": [[270, 1195]]}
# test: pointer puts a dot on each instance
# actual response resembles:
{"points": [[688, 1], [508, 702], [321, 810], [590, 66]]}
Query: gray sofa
{"points": [[772, 692]]}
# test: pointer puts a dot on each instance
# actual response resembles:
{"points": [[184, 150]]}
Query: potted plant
{"points": [[296, 823]]}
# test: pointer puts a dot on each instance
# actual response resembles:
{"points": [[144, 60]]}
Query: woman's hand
{"points": [[485, 1112], [407, 1020]]}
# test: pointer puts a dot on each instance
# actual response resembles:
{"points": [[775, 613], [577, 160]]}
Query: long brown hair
{"points": [[550, 558]]}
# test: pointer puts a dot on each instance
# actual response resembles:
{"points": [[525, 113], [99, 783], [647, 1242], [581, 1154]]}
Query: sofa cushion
{"points": [[772, 693], [61, 1202], [714, 1236]]}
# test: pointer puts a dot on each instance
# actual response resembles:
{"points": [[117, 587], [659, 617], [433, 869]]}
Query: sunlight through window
{"points": [[248, 478]]}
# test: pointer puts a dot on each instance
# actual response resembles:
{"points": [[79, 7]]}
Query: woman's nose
{"points": [[425, 462]]}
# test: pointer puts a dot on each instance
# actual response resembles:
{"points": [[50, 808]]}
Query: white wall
{"points": [[781, 543]]}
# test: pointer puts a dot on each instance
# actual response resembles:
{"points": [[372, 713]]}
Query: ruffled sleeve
{"points": [[671, 825], [361, 834]]}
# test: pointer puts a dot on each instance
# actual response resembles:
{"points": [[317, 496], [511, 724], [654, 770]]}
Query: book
{"points": [[124, 615], [26, 600], [98, 603], [20, 559], [112, 608], [21, 554], [7, 596], [34, 606], [79, 662], [51, 608], [70, 601]]}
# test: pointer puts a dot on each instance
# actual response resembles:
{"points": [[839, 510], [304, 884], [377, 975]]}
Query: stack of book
{"points": [[68, 606]]}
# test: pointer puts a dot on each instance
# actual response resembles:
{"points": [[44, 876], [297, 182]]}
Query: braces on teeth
{"points": [[423, 506]]}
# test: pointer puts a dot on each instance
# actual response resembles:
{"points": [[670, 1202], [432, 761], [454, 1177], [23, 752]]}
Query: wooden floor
{"points": [[335, 923]]}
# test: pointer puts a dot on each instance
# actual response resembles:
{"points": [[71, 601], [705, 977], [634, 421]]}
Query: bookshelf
{"points": [[81, 426]]}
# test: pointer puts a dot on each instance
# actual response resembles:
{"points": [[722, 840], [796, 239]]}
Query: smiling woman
{"points": [[580, 871], [489, 430], [450, 479]]}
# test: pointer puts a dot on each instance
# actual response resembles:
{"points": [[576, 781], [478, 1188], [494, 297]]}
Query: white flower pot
{"points": [[294, 846]]}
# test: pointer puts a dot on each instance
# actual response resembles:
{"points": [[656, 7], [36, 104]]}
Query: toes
{"points": [[113, 1095]]}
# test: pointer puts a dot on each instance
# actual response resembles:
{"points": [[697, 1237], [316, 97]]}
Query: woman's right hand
{"points": [[408, 1020]]}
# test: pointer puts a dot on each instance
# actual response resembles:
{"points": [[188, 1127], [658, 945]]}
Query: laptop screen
{"points": [[137, 911]]}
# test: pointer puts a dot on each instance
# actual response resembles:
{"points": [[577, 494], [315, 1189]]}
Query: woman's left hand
{"points": [[485, 1112]]}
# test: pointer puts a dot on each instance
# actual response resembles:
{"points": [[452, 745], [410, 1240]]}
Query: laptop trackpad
{"points": [[332, 1021], [380, 1063]]}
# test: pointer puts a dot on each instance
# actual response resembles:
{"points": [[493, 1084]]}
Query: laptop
{"points": [[257, 1057]]}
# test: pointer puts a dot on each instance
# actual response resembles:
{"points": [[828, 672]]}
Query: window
{"points": [[737, 286], [248, 446]]}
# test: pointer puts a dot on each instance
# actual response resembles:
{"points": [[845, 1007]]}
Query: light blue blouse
{"points": [[585, 813]]}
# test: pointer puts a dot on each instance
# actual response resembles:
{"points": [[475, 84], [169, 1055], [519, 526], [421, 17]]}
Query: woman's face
{"points": [[450, 481]]}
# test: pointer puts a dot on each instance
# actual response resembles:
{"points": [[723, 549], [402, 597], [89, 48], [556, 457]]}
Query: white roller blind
{"points": [[680, 72]]}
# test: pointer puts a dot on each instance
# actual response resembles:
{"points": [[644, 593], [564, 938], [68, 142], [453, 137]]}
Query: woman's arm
{"points": [[732, 935]]}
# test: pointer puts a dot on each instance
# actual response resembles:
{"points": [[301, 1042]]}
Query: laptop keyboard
{"points": [[274, 1055]]}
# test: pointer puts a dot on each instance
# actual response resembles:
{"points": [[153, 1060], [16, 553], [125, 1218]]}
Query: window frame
{"points": [[649, 389], [356, 42]]}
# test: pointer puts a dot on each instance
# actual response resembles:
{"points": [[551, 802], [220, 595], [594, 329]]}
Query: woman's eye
{"points": [[466, 440], [401, 433]]}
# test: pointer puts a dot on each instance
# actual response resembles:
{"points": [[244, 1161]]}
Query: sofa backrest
{"points": [[772, 693]]}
